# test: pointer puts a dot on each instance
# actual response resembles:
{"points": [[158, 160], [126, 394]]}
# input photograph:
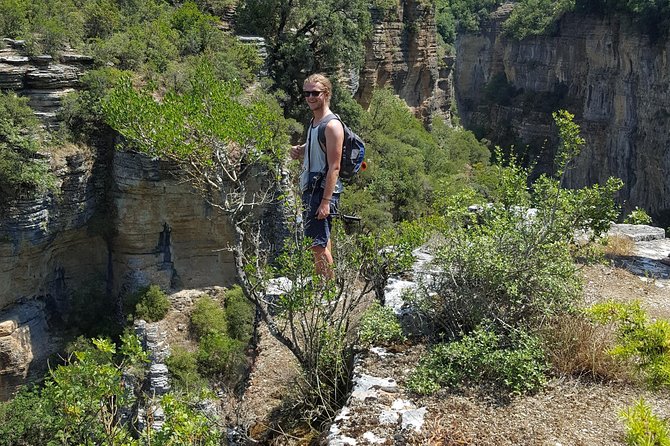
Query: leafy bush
{"points": [[183, 367], [80, 400], [81, 110], [26, 419], [380, 325], [644, 343], [13, 20], [183, 425], [153, 304], [208, 316], [535, 17], [638, 217], [23, 170], [220, 355], [516, 365], [644, 428], [505, 270], [239, 314]]}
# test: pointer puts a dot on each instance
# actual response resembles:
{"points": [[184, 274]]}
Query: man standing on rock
{"points": [[319, 180]]}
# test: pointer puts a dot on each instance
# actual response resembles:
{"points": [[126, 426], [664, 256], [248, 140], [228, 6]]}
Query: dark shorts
{"points": [[317, 230]]}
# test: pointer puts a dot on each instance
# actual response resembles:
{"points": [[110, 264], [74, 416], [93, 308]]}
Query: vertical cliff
{"points": [[402, 54], [602, 69], [119, 221]]}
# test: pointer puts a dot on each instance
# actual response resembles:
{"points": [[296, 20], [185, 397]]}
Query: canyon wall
{"points": [[119, 221], [402, 55], [602, 69]]}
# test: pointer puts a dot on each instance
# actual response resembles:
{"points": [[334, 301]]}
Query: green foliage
{"points": [[208, 316], [510, 261], [13, 20], [220, 353], [638, 216], [23, 170], [651, 16], [183, 426], [644, 343], [79, 402], [306, 37], [81, 111], [380, 325], [408, 166], [535, 17], [571, 143], [590, 209], [516, 365], [507, 269], [644, 428], [239, 313], [200, 128], [153, 304], [183, 367], [26, 419], [453, 16], [195, 28]]}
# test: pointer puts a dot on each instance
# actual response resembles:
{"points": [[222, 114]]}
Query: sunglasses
{"points": [[313, 94]]}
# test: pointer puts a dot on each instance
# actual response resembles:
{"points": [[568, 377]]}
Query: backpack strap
{"points": [[322, 129]]}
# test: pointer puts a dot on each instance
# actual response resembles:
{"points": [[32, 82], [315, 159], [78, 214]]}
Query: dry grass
{"points": [[578, 347], [619, 246]]}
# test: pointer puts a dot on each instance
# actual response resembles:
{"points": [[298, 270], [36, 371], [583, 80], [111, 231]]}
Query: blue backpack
{"points": [[353, 149]]}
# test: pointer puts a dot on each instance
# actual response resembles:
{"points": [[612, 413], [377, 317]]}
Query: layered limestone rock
{"points": [[603, 70], [24, 343], [165, 233], [402, 54], [44, 81], [138, 226]]}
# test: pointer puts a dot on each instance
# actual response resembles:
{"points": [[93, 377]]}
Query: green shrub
{"points": [[220, 355], [380, 325], [505, 270], [644, 343], [644, 428], [208, 316], [183, 367], [536, 17], [81, 110], [638, 217], [516, 365], [13, 18], [153, 304], [26, 419], [23, 171], [239, 314]]}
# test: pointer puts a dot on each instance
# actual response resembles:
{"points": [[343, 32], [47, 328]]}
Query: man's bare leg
{"points": [[323, 261]]}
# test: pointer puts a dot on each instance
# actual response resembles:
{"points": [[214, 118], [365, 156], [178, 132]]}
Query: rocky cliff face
{"points": [[119, 222], [611, 76], [402, 54]]}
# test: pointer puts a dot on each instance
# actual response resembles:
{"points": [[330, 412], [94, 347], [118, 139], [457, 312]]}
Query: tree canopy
{"points": [[307, 36]]}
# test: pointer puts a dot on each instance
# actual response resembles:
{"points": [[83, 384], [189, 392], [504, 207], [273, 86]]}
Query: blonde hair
{"points": [[321, 79]]}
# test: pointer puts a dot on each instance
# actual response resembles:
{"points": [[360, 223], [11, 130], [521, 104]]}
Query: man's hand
{"points": [[297, 152], [324, 210]]}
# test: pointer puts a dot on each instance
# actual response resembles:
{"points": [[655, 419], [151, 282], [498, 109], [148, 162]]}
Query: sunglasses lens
{"points": [[311, 93]]}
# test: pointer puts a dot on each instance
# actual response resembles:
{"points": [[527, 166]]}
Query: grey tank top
{"points": [[315, 161]]}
